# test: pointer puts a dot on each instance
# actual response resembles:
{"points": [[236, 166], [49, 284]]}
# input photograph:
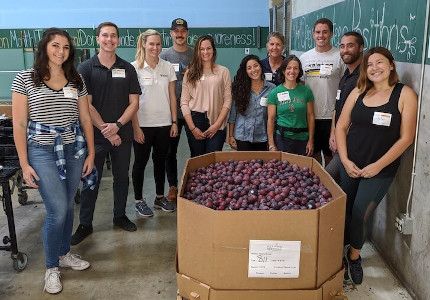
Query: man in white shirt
{"points": [[323, 68]]}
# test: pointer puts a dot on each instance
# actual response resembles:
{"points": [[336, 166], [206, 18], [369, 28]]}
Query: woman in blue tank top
{"points": [[376, 126]]}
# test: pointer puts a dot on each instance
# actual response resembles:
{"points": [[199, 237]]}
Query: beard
{"points": [[351, 57]]}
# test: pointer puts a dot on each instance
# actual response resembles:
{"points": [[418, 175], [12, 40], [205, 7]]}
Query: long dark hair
{"points": [[284, 65], [41, 67], [196, 67], [241, 86]]}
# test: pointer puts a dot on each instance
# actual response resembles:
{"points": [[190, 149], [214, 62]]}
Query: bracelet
{"points": [[271, 147], [193, 128]]}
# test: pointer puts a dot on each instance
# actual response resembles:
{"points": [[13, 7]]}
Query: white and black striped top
{"points": [[48, 106]]}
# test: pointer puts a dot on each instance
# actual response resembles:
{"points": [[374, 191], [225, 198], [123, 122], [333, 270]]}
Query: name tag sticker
{"points": [[268, 76], [176, 67], [325, 69], [118, 73], [338, 94], [263, 101], [203, 77], [283, 97], [147, 80], [382, 119], [70, 92]]}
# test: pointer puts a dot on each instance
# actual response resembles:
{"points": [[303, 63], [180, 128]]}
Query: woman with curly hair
{"points": [[205, 99], [248, 116]]}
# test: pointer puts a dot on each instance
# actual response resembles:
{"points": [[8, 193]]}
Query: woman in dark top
{"points": [[376, 126], [271, 64]]}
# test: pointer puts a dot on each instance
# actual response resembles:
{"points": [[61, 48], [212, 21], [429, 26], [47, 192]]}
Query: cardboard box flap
{"points": [[192, 289], [330, 239]]}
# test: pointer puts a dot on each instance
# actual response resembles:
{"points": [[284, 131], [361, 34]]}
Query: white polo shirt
{"points": [[154, 102]]}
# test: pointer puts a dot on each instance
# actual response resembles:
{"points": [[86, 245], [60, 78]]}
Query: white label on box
{"points": [[274, 259]]}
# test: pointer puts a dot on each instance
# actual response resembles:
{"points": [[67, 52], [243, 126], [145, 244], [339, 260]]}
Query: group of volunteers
{"points": [[346, 109]]}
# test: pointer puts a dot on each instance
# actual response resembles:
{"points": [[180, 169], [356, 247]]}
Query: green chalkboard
{"points": [[395, 24], [225, 37]]}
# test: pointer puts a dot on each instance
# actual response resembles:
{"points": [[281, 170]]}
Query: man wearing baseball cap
{"points": [[180, 56]]}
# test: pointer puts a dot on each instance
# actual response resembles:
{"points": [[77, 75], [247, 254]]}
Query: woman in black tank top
{"points": [[376, 126]]}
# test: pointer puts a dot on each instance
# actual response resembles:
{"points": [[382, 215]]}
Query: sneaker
{"points": [[81, 233], [173, 194], [355, 271], [164, 204], [124, 223], [52, 281], [143, 209], [73, 261]]}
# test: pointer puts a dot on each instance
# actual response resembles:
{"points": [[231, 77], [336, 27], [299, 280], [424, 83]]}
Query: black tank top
{"points": [[367, 141]]}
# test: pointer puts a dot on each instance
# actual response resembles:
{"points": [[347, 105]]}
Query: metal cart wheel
{"points": [[20, 261], [78, 196], [22, 198]]}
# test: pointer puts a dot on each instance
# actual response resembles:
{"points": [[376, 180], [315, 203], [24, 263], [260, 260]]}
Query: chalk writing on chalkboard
{"points": [[240, 37], [396, 24]]}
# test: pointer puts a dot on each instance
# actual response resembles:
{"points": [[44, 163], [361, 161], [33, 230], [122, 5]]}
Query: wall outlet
{"points": [[246, 50], [404, 224]]}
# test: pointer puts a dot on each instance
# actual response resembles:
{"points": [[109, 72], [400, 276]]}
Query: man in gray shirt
{"points": [[180, 56]]}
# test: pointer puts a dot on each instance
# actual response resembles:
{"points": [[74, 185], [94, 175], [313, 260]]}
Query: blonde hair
{"points": [[141, 41]]}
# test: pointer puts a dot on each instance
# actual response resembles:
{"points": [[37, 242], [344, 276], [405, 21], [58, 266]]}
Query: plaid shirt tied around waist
{"points": [[34, 128]]}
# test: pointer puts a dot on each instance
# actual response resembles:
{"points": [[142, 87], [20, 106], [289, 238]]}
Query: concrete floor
{"points": [[133, 265]]}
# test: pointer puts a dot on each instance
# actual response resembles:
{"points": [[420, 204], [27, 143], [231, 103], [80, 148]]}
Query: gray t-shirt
{"points": [[322, 73], [181, 63]]}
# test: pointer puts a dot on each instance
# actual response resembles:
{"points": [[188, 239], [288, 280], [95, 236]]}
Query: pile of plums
{"points": [[255, 185]]}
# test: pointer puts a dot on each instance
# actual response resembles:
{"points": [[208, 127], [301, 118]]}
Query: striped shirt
{"points": [[48, 106]]}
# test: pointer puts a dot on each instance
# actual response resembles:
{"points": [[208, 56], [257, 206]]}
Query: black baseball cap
{"points": [[179, 22]]}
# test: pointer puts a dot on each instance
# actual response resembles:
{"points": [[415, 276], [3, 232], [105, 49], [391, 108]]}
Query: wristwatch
{"points": [[174, 122], [119, 124]]}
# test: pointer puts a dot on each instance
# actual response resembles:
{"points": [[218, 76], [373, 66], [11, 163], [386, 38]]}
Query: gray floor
{"points": [[136, 265]]}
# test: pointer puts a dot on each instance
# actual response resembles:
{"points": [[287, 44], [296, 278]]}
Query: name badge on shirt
{"points": [[268, 76], [380, 118], [338, 94], [263, 101], [147, 80], [118, 73], [70, 92], [325, 69], [176, 67], [283, 97]]}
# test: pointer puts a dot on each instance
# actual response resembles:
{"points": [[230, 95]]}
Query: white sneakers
{"points": [[52, 276], [52, 281], [74, 261]]}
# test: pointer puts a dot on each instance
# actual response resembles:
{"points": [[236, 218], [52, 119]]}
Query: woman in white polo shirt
{"points": [[155, 120]]}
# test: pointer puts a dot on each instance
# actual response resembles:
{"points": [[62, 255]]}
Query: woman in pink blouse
{"points": [[206, 99]]}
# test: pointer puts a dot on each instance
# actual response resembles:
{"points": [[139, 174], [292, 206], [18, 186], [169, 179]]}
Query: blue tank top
{"points": [[370, 135]]}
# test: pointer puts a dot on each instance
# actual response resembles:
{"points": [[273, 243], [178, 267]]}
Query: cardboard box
{"points": [[6, 109], [213, 246], [192, 289]]}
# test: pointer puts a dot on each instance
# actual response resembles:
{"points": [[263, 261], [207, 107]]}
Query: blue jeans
{"points": [[120, 159], [199, 147], [57, 195]]}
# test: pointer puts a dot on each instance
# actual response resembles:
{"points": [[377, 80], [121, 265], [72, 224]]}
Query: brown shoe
{"points": [[173, 194]]}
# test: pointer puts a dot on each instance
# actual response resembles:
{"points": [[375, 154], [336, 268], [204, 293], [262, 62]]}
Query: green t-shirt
{"points": [[291, 106]]}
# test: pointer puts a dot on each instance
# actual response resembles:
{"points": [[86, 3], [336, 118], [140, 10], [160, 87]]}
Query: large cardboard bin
{"points": [[213, 246]]}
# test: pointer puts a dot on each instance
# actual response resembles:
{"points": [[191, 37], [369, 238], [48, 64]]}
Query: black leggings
{"points": [[363, 196], [158, 139], [249, 146]]}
